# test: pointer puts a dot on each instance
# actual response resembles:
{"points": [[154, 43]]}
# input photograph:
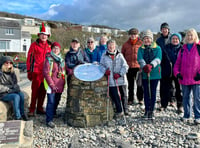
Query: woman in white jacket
{"points": [[116, 69]]}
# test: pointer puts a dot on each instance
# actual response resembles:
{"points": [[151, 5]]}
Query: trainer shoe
{"points": [[51, 124], [197, 121]]}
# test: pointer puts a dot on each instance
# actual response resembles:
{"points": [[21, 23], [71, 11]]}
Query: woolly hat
{"points": [[43, 30], [147, 33], [55, 44], [133, 31], [75, 40], [164, 25], [4, 59], [176, 34]]}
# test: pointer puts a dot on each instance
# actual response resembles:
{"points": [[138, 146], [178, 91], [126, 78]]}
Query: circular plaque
{"points": [[88, 72]]}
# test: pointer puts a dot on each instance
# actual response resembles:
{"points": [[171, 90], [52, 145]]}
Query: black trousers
{"points": [[169, 85], [113, 91], [177, 93], [131, 76]]}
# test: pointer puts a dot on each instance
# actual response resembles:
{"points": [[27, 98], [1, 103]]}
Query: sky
{"points": [[122, 14]]}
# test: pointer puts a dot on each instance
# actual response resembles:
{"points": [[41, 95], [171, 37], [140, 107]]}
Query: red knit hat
{"points": [[43, 30], [55, 44]]}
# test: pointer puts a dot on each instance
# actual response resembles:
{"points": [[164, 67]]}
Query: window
{"points": [[9, 31], [24, 47], [4, 44], [29, 22]]}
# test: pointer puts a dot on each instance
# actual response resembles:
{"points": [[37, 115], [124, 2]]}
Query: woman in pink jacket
{"points": [[187, 69], [54, 74]]}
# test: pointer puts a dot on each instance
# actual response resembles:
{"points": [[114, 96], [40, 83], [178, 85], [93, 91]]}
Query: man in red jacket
{"points": [[129, 50], [35, 61]]}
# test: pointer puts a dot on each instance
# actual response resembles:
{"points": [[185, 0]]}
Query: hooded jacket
{"points": [[188, 65]]}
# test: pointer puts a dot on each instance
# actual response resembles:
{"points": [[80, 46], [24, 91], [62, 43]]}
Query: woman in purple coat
{"points": [[54, 74], [187, 70]]}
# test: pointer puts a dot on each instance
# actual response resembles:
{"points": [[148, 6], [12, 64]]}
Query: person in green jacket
{"points": [[149, 57]]}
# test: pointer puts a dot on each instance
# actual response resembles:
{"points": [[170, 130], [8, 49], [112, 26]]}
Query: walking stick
{"points": [[107, 109], [120, 101], [149, 87]]}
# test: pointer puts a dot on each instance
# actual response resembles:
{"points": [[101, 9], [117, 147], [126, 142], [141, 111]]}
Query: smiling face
{"points": [[75, 45], [103, 40], [190, 38], [111, 47], [133, 36], [56, 50], [43, 37], [147, 40], [165, 31], [175, 40]]}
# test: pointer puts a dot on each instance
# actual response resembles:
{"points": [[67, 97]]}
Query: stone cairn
{"points": [[87, 104]]}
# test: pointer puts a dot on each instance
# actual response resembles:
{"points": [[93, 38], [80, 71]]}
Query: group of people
{"points": [[167, 61]]}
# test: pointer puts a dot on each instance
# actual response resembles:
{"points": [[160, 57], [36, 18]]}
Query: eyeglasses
{"points": [[8, 62], [90, 42]]}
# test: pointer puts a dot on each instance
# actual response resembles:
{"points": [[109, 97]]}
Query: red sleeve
{"points": [[30, 58]]}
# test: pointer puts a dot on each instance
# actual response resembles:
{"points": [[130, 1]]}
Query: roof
{"points": [[9, 23]]}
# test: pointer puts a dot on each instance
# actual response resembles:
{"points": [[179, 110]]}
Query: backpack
{"points": [[198, 49]]}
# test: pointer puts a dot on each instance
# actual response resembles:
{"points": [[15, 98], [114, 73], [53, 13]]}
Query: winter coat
{"points": [[100, 51], [130, 53], [8, 83], [57, 76], [188, 65], [150, 55], [36, 56], [172, 54], [118, 65], [92, 56], [74, 58]]}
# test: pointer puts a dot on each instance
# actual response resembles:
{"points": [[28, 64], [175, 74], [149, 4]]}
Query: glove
{"points": [[55, 89], [70, 71], [197, 77], [29, 75], [147, 68], [107, 72], [16, 88], [179, 76], [116, 76]]}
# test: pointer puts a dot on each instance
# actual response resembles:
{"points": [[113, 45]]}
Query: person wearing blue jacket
{"points": [[149, 57], [91, 51], [101, 49]]}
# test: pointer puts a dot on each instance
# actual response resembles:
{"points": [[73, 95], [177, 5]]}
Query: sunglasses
{"points": [[90, 42], [8, 62]]}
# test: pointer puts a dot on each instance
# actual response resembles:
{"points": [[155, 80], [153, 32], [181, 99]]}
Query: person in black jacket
{"points": [[165, 85], [9, 89], [172, 50]]}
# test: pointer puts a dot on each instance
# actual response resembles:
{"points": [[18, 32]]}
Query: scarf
{"points": [[58, 59], [133, 42]]}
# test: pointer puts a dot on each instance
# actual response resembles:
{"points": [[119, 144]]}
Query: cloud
{"points": [[180, 14]]}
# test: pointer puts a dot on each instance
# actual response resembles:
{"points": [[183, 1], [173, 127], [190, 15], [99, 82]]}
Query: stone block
{"points": [[16, 134]]}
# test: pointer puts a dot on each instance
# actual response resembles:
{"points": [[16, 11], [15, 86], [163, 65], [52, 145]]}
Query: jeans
{"points": [[18, 103], [149, 101], [187, 100], [52, 104]]}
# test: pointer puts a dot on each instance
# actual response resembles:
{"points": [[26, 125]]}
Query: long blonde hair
{"points": [[194, 33]]}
